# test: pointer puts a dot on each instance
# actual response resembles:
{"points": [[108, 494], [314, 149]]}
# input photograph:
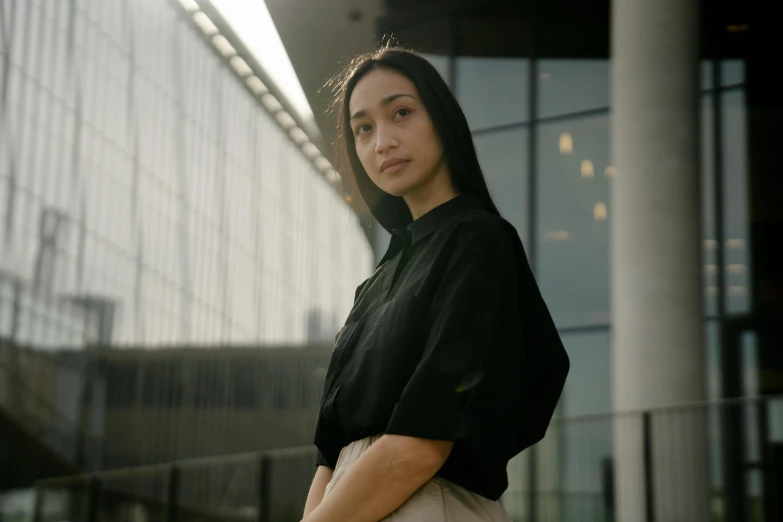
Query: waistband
{"points": [[352, 451]]}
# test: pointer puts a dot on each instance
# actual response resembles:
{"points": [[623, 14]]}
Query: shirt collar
{"points": [[438, 216]]}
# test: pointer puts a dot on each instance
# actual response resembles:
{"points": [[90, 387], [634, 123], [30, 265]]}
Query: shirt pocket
{"points": [[340, 353], [403, 312], [388, 345]]}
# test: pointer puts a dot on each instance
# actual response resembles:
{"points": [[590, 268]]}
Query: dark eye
{"points": [[402, 112], [362, 127]]}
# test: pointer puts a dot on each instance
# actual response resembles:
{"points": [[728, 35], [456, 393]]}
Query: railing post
{"points": [[38, 503], [649, 496], [531, 482], [607, 480], [93, 499], [264, 473], [172, 494]]}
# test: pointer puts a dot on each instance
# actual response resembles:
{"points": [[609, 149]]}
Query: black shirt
{"points": [[449, 339]]}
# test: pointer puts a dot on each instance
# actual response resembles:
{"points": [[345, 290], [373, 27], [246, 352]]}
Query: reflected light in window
{"points": [[545, 77], [737, 269], [735, 243], [737, 28], [711, 269], [710, 244], [558, 235], [566, 143], [599, 212], [610, 171], [737, 290], [712, 290], [587, 169]]}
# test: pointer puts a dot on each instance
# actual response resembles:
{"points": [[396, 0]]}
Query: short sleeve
{"points": [[320, 460], [466, 384]]}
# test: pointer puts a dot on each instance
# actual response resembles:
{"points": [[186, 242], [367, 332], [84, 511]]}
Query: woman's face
{"points": [[395, 140]]}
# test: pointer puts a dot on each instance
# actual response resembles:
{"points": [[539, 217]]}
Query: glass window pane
{"points": [[441, 63], [732, 72], [566, 86], [492, 91], [588, 387], [503, 157], [713, 363], [572, 229], [709, 242], [706, 74], [585, 441], [735, 163]]}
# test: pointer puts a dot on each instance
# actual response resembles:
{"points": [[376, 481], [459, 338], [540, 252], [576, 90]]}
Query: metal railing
{"points": [[261, 486], [717, 461]]}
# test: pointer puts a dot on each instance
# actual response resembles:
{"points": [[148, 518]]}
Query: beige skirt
{"points": [[439, 500]]}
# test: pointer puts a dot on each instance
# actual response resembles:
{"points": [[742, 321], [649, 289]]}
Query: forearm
{"points": [[381, 480], [316, 494]]}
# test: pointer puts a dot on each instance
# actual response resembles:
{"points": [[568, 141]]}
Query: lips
{"points": [[389, 163]]}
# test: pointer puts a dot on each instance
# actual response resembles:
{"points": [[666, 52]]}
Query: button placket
{"points": [[401, 261]]}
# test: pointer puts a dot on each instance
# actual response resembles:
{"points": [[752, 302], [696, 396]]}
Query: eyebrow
{"points": [[384, 102]]}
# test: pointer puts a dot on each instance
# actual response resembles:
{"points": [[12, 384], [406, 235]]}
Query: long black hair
{"points": [[447, 118]]}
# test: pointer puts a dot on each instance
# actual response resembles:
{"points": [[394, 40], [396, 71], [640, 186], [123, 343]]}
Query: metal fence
{"points": [[263, 486], [717, 461]]}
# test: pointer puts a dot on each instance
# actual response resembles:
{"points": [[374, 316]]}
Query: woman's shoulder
{"points": [[480, 230]]}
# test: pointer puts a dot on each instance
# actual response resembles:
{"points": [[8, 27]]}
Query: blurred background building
{"points": [[177, 251]]}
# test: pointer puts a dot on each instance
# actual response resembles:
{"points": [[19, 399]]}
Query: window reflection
{"points": [[566, 86], [441, 63], [492, 91], [714, 386], [503, 157], [705, 68], [588, 387], [709, 244], [586, 442], [732, 72], [572, 268], [735, 163]]}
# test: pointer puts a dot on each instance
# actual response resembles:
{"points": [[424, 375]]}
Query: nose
{"points": [[385, 139]]}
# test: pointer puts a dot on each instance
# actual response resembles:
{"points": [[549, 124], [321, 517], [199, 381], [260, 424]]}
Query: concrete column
{"points": [[656, 257]]}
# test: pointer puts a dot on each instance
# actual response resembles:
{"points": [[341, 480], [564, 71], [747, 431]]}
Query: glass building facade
{"points": [[158, 198], [148, 196]]}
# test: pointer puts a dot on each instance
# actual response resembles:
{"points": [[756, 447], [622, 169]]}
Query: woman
{"points": [[449, 363]]}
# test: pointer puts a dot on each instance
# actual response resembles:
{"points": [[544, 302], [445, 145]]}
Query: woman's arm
{"points": [[382, 479], [322, 477]]}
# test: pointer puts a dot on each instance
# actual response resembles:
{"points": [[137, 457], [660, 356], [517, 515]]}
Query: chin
{"points": [[397, 188]]}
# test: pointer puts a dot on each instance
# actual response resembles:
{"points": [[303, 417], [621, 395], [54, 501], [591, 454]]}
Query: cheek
{"points": [[429, 144], [366, 157]]}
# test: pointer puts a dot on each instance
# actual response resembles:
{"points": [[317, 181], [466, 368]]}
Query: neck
{"points": [[429, 197]]}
